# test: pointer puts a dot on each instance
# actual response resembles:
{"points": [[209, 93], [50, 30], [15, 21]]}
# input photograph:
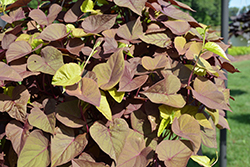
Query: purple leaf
{"points": [[14, 16], [134, 5], [178, 27], [7, 40], [8, 73], [53, 32]]}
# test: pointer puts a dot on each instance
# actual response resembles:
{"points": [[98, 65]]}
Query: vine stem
{"points": [[83, 117]]}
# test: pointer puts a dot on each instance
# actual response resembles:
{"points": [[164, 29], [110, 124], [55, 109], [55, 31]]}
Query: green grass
{"points": [[239, 50], [238, 148]]}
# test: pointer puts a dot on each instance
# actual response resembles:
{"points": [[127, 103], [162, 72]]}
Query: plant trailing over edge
{"points": [[109, 83]]}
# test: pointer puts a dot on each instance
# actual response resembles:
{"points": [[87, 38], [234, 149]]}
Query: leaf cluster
{"points": [[109, 83]]}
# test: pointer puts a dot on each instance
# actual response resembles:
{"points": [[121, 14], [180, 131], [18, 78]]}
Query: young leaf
{"points": [[164, 123], [111, 140], [134, 5], [87, 6], [67, 75], [186, 126], [49, 63], [215, 48], [164, 92], [109, 73], [69, 114], [104, 107], [177, 153], [42, 121], [64, 146], [202, 160], [118, 96], [35, 150]]}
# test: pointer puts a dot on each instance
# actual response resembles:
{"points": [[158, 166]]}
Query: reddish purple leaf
{"points": [[87, 90], [14, 16], [98, 23], [40, 17], [134, 5], [7, 40], [188, 127], [178, 27], [75, 45], [157, 62], [182, 5], [73, 14], [174, 153], [18, 3], [8, 73], [229, 67], [54, 32]]}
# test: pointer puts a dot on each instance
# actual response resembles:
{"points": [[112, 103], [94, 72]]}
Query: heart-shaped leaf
{"points": [[35, 150], [69, 114], [109, 73], [104, 107], [64, 146], [97, 23], [111, 140], [14, 16], [51, 61], [203, 121], [42, 121], [208, 136], [53, 32], [215, 48], [158, 39], [131, 30], [206, 92], [164, 92], [7, 40], [19, 49], [17, 134], [87, 90], [178, 27], [118, 96], [177, 153], [134, 5], [157, 62], [138, 156], [127, 83], [179, 44], [194, 49], [40, 17], [8, 73], [186, 126], [67, 75]]}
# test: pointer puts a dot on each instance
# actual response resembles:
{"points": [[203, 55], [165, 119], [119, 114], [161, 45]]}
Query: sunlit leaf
{"points": [[203, 121], [109, 73], [53, 32], [186, 126], [67, 75], [176, 154], [7, 40], [164, 92], [154, 63], [87, 90], [64, 146], [164, 123], [159, 39], [17, 50], [202, 160], [179, 43], [8, 73], [178, 27], [104, 107], [118, 96], [87, 6], [42, 121], [69, 114], [215, 48], [208, 136], [205, 64], [14, 16], [97, 23], [49, 63], [134, 5], [35, 150], [111, 140]]}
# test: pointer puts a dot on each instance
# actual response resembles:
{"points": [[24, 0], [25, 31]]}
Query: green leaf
{"points": [[202, 160], [87, 6], [104, 107], [118, 96], [215, 48], [164, 123], [67, 75], [7, 2], [35, 151]]}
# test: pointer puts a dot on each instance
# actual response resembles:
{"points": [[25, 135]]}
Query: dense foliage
{"points": [[109, 83]]}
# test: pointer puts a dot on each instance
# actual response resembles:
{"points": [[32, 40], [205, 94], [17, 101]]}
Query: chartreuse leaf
{"points": [[205, 64], [204, 160], [118, 96], [200, 117], [214, 114], [35, 150], [215, 48], [197, 70], [67, 75], [104, 107], [164, 123], [87, 6]]}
